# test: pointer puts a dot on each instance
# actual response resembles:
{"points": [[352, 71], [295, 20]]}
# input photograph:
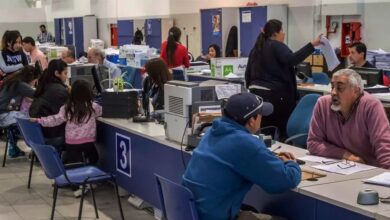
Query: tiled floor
{"points": [[19, 203]]}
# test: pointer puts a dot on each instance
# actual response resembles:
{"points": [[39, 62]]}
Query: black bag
{"points": [[120, 104]]}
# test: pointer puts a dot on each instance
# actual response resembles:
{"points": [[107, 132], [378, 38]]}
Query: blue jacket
{"points": [[226, 164]]}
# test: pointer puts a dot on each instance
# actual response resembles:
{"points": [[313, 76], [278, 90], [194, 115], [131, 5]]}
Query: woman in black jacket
{"points": [[270, 73], [50, 95]]}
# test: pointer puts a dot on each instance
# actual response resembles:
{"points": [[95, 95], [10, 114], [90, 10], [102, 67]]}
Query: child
{"points": [[80, 115]]}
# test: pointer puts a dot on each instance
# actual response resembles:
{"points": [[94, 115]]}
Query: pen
{"points": [[277, 148]]}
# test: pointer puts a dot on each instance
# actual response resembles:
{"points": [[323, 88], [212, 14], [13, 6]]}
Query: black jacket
{"points": [[273, 67], [49, 103]]}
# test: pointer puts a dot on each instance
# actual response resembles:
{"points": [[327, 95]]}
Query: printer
{"points": [[183, 100]]}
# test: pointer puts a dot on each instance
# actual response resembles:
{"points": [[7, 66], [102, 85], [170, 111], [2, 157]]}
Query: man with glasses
{"points": [[229, 160], [350, 124]]}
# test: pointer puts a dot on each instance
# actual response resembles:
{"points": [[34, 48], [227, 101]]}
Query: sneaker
{"points": [[23, 146], [77, 193]]}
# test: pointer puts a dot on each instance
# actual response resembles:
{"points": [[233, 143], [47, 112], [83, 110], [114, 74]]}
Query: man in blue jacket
{"points": [[229, 160]]}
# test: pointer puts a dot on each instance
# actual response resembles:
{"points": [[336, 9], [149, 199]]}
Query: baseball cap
{"points": [[242, 106]]}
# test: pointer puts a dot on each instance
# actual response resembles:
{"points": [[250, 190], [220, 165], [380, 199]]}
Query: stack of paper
{"points": [[381, 179], [341, 168]]}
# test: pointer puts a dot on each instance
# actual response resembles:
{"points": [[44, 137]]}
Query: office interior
{"points": [[135, 143]]}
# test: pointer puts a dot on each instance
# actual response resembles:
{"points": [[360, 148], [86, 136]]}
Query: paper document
{"points": [[329, 54], [381, 179], [318, 159], [345, 168], [227, 90]]}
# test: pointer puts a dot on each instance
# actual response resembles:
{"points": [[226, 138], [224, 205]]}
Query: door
{"points": [[211, 25]]}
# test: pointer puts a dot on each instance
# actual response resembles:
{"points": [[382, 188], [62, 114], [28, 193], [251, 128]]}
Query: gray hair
{"points": [[98, 52], [353, 77]]}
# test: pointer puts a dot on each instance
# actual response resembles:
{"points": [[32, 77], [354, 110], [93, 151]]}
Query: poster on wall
{"points": [[149, 27], [216, 22], [70, 27], [246, 17]]}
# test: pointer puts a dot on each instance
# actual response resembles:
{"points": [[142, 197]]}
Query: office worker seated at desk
{"points": [[213, 52], [229, 160], [97, 56], [350, 123], [158, 75], [357, 55], [68, 56]]}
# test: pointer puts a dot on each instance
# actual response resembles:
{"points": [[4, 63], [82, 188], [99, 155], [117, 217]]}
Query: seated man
{"points": [[34, 53], [229, 160], [68, 56], [350, 123], [357, 55], [96, 56]]}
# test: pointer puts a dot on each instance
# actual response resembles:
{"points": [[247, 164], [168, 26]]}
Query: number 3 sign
{"points": [[123, 154]]}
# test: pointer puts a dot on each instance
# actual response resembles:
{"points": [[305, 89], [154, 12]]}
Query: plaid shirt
{"points": [[45, 37]]}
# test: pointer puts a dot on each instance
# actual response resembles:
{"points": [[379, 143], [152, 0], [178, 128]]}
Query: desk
{"points": [[331, 197], [192, 77]]}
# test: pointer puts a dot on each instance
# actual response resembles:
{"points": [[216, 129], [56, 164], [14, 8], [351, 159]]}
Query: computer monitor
{"points": [[303, 71], [370, 76], [96, 80]]}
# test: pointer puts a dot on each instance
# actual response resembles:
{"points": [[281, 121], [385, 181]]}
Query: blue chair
{"points": [[6, 133], [177, 202], [320, 78], [55, 170], [299, 121], [32, 133]]}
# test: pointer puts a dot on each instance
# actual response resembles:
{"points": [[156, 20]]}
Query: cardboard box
{"points": [[220, 67], [317, 69], [318, 60], [309, 59]]}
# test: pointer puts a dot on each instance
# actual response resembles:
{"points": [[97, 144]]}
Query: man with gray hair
{"points": [[350, 124], [97, 56]]}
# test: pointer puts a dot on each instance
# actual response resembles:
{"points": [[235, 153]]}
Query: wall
{"points": [[190, 26], [67, 8]]}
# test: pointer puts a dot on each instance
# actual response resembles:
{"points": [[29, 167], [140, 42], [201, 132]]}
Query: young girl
{"points": [[80, 115]]}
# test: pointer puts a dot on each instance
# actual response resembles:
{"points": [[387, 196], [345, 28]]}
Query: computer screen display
{"points": [[303, 70], [370, 76]]}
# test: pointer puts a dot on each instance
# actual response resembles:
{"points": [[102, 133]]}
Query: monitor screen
{"points": [[370, 76], [303, 70]]}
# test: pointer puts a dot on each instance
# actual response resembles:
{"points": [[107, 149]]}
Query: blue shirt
{"points": [[226, 164]]}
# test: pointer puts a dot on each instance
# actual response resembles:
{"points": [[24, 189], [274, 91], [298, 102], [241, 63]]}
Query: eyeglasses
{"points": [[257, 108], [329, 162], [346, 164]]}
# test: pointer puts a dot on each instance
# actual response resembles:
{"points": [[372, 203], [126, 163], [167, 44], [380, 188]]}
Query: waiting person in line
{"points": [[34, 53], [270, 73], [44, 36], [229, 160], [231, 49], [68, 56], [14, 88], [214, 51], [79, 113], [158, 75], [12, 56], [97, 56], [357, 55], [173, 52], [50, 95], [350, 123]]}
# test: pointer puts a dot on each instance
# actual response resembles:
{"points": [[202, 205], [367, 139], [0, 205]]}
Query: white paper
{"points": [[246, 16], [317, 159], [330, 56], [227, 90], [381, 179], [334, 168]]}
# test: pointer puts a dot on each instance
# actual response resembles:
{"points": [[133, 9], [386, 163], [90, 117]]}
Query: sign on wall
{"points": [[123, 154]]}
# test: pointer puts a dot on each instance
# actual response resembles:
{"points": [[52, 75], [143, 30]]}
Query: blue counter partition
{"points": [[125, 32], [208, 36], [133, 76], [250, 30], [153, 35]]}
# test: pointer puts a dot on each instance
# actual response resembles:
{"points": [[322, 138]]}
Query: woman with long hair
{"points": [[158, 75], [270, 72], [173, 52], [50, 95], [12, 57], [14, 88], [214, 51]]}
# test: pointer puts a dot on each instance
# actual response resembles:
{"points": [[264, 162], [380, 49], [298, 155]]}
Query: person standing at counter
{"points": [[270, 72], [12, 57], [173, 52]]}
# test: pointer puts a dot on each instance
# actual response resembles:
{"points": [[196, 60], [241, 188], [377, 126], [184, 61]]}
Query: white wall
{"points": [[67, 8]]}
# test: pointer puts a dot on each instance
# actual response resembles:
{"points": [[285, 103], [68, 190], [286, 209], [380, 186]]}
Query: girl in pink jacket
{"points": [[80, 115]]}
